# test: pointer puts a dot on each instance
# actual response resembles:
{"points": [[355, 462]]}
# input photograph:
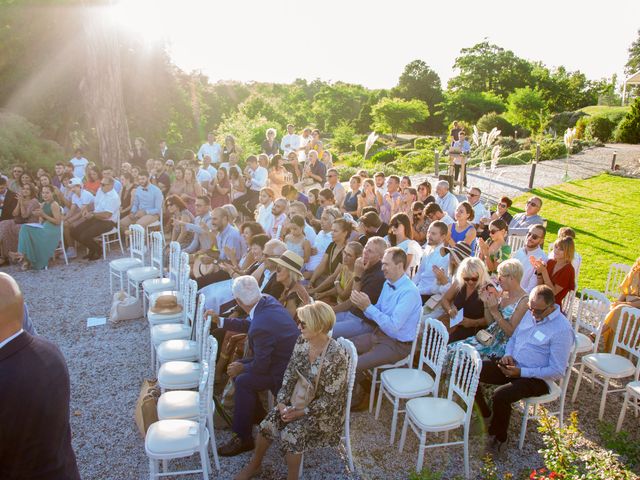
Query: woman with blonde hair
{"points": [[558, 273], [343, 283], [270, 145], [629, 297], [323, 362], [464, 296]]}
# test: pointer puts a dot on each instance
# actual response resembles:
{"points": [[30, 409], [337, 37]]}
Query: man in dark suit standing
{"points": [[8, 200], [272, 334], [35, 435]]}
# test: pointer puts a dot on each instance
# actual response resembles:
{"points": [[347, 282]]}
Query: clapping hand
{"points": [[358, 267], [360, 300], [230, 252], [441, 276]]}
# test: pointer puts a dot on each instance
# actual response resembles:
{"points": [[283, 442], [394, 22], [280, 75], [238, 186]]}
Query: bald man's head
{"points": [[11, 306]]}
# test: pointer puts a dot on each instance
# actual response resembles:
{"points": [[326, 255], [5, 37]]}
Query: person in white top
{"points": [[103, 219], [206, 172], [333, 184], [290, 142], [434, 212], [81, 202], [298, 208], [211, 148], [381, 183], [447, 200], [535, 238], [305, 139], [79, 164], [256, 179], [279, 211], [479, 210], [264, 216], [433, 262]]}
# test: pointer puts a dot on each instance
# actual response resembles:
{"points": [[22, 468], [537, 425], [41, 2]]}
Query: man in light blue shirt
{"points": [[522, 221], [147, 204], [201, 226], [445, 199], [396, 314], [211, 148], [538, 352], [228, 240], [460, 152]]}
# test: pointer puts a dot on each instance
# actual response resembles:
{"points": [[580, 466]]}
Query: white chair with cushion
{"points": [[593, 307], [567, 304], [162, 283], [155, 226], [631, 394], [137, 275], [405, 383], [112, 236], [433, 415], [184, 404], [516, 242], [617, 272], [405, 362], [155, 318], [555, 393], [118, 268], [611, 365], [179, 438]]}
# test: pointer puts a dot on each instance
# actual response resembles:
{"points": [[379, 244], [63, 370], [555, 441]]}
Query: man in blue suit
{"points": [[272, 334]]}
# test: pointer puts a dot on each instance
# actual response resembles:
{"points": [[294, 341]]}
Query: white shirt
{"points": [[480, 212], [381, 190], [309, 233], [290, 143], [85, 198], [338, 192], [259, 179], [203, 176], [7, 340], [529, 280], [213, 150], [265, 216], [79, 166], [425, 279], [322, 241], [448, 203], [108, 202], [446, 219]]}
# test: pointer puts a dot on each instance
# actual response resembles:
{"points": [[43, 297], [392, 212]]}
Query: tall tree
{"points": [[395, 115], [633, 64], [418, 81], [102, 89]]}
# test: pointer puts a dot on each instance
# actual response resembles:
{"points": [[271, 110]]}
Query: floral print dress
{"points": [[322, 425]]}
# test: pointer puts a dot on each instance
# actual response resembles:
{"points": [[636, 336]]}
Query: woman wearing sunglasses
{"points": [[464, 295], [288, 274], [495, 250], [501, 213]]}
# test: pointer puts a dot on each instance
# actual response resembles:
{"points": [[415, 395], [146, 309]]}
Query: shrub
{"points": [[343, 136], [559, 122], [508, 145], [20, 142], [628, 130], [376, 147], [415, 162], [345, 173], [493, 120], [600, 128], [550, 149], [429, 143], [385, 156]]}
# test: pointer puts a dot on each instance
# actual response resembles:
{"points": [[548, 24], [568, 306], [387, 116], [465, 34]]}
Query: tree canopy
{"points": [[395, 115]]}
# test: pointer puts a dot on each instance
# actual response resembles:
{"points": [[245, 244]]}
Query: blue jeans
{"points": [[349, 325]]}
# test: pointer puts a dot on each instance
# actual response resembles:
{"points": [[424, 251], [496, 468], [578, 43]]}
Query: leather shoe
{"points": [[495, 448], [236, 446]]}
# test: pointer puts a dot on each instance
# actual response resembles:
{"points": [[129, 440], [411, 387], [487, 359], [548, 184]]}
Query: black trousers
{"points": [[85, 232], [510, 391], [456, 174], [246, 204], [461, 333]]}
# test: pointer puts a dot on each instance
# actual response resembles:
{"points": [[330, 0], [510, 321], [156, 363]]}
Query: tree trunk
{"points": [[101, 89]]}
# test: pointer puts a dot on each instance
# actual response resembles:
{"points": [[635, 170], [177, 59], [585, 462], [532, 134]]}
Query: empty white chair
{"points": [[112, 236], [432, 415], [162, 283], [567, 304], [555, 393], [617, 272], [118, 268], [516, 242], [404, 383], [405, 362], [184, 404], [176, 331], [61, 247], [592, 310], [631, 394], [155, 226], [137, 275], [611, 365], [186, 349], [158, 318], [178, 438]]}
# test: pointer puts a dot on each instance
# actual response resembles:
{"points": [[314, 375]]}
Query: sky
{"points": [[370, 42]]}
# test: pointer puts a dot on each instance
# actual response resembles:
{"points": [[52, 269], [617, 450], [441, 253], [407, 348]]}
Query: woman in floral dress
{"points": [[319, 424]]}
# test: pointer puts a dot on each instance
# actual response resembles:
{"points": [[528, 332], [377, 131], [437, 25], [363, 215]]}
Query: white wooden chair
{"points": [[567, 304], [118, 268], [433, 415], [184, 404], [593, 307], [137, 275], [611, 365], [631, 394], [179, 438], [162, 283], [159, 318], [556, 392], [405, 362], [157, 226], [516, 242], [61, 246], [112, 236], [617, 272], [405, 383], [351, 380]]}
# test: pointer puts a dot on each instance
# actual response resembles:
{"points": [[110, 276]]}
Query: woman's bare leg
{"points": [[262, 445], [293, 465]]}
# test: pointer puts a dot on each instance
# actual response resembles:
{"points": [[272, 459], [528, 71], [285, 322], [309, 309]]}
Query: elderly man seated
{"points": [[445, 199], [537, 352], [272, 334], [522, 221]]}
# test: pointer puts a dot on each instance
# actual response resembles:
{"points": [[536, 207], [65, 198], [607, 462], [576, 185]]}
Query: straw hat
{"points": [[291, 261], [459, 251], [166, 304]]}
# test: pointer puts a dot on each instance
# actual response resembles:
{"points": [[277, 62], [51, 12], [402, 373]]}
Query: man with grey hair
{"points": [[333, 184], [272, 334], [445, 199]]}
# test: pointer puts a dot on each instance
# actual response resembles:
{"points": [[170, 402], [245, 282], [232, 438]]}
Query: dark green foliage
{"points": [[599, 128], [628, 130], [343, 136], [385, 156], [469, 106], [431, 143], [492, 120], [559, 122], [551, 149], [508, 145]]}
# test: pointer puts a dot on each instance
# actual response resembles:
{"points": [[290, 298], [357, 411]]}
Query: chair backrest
{"points": [[202, 327], [567, 304], [516, 242], [628, 332], [567, 373], [465, 375], [157, 246], [434, 348], [136, 242], [185, 271], [203, 401], [351, 375], [210, 359], [617, 272], [189, 302], [593, 307], [414, 344], [174, 261]]}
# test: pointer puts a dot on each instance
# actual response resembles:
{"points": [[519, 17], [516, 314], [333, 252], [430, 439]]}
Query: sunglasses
{"points": [[533, 235], [470, 279], [537, 311], [491, 232], [502, 205], [105, 184], [533, 204], [472, 195]]}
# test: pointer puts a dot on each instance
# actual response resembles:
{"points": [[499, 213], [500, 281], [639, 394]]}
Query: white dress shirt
{"points": [[265, 216], [480, 212], [448, 203], [85, 198], [290, 143], [214, 150], [259, 179], [529, 280], [108, 202], [425, 279]]}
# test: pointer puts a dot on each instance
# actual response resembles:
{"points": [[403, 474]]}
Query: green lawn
{"points": [[605, 110], [603, 211]]}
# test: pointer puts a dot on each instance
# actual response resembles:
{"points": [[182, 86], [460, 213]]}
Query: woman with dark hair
{"points": [[424, 193], [558, 273], [238, 187], [495, 250], [351, 199], [405, 182], [220, 189], [463, 230], [501, 213], [23, 213], [178, 186], [400, 235], [314, 201], [324, 276], [229, 148], [419, 223], [139, 155], [45, 180], [126, 194], [178, 212], [92, 182], [277, 174], [370, 197]]}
